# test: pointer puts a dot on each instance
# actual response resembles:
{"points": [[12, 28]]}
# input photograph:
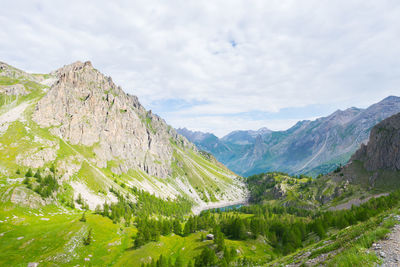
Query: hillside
{"points": [[309, 147], [356, 220], [373, 171], [77, 124]]}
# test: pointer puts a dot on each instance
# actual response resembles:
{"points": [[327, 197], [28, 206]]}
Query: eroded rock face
{"points": [[383, 149], [85, 107]]}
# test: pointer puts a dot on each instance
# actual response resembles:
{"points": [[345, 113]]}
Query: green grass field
{"points": [[54, 237]]}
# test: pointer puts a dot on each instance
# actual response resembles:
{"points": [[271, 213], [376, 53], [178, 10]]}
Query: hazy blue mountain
{"points": [[310, 147], [244, 137], [205, 141]]}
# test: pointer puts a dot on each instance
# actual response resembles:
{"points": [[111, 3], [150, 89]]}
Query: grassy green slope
{"points": [[54, 237]]}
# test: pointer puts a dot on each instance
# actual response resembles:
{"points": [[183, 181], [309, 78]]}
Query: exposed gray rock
{"points": [[383, 149], [85, 107], [388, 248], [26, 197], [38, 157]]}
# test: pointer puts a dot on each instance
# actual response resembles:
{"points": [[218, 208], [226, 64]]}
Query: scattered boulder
{"points": [[210, 237]]}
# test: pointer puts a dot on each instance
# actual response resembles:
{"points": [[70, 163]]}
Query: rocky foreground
{"points": [[389, 249]]}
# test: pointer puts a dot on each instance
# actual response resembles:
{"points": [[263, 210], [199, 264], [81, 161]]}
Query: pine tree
{"points": [[187, 228], [83, 219], [26, 181], [177, 227], [79, 200], [28, 173], [38, 175], [88, 239], [219, 239]]}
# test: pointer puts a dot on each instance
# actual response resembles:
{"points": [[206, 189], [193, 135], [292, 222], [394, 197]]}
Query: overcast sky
{"points": [[218, 66]]}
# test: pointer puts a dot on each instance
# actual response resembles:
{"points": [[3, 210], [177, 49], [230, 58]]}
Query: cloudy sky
{"points": [[218, 66]]}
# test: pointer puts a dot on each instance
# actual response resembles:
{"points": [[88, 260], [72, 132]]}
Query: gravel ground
{"points": [[389, 248]]}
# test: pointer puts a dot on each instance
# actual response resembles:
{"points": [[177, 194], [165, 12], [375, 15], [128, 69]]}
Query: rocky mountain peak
{"points": [[76, 66], [85, 107], [341, 117]]}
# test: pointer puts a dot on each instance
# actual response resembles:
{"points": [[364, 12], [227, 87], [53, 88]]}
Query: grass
{"points": [[91, 178], [8, 81], [54, 237], [347, 247], [58, 241]]}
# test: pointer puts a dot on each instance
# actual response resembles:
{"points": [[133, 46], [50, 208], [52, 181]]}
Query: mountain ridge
{"points": [[310, 147]]}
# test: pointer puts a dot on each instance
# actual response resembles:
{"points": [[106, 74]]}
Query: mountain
{"points": [[204, 141], [309, 147], [245, 137], [373, 170], [98, 138]]}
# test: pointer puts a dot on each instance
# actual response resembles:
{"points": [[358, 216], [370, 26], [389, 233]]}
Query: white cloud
{"points": [[287, 53]]}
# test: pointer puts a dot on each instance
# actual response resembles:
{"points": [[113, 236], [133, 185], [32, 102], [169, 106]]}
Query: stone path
{"points": [[389, 249]]}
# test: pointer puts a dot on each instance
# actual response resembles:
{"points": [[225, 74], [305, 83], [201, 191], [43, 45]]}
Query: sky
{"points": [[218, 66]]}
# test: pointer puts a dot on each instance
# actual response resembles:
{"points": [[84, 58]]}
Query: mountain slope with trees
{"points": [[309, 147]]}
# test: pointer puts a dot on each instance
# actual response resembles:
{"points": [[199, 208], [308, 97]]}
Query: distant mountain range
{"points": [[309, 147]]}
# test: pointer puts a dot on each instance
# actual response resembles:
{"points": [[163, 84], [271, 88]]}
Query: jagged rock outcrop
{"points": [[85, 107], [383, 148]]}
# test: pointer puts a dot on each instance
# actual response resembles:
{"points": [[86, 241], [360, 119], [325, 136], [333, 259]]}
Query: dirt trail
{"points": [[12, 115], [355, 202], [389, 249]]}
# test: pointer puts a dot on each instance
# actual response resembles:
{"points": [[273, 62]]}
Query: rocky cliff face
{"points": [[383, 148], [85, 107]]}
